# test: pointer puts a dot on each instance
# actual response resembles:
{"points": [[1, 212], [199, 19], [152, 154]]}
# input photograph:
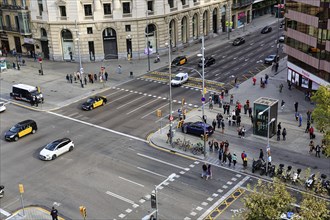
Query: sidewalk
{"points": [[32, 212], [294, 151]]}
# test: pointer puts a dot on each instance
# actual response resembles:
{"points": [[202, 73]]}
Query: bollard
{"points": [[131, 74]]}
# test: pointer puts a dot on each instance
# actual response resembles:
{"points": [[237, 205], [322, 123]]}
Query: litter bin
{"points": [[131, 74]]}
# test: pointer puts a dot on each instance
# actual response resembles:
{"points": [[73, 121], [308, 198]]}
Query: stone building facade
{"points": [[121, 29]]}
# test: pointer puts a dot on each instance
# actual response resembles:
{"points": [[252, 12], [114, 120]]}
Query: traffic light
{"points": [[83, 211], [159, 113], [153, 201]]}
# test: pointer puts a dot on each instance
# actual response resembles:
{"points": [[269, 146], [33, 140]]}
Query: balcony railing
{"points": [[13, 7], [11, 29], [241, 4]]}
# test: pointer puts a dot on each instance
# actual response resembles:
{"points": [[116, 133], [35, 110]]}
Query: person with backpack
{"points": [[284, 133], [243, 154], [234, 157]]}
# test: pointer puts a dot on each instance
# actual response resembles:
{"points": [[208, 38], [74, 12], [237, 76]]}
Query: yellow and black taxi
{"points": [[180, 60], [21, 129], [94, 102]]}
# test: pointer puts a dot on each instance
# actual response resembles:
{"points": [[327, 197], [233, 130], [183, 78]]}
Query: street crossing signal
{"points": [[153, 200], [82, 210]]}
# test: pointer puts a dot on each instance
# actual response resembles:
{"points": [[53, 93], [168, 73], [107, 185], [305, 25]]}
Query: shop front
{"points": [[304, 79]]}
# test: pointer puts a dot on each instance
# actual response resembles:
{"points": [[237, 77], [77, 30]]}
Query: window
{"points": [[40, 8], [126, 8], [107, 9], [150, 5], [5, 2], [89, 30], [63, 11], [127, 28], [183, 2], [171, 3], [88, 10], [14, 2]]}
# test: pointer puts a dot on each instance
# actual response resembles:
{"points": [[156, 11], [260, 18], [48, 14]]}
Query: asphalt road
{"points": [[111, 174]]}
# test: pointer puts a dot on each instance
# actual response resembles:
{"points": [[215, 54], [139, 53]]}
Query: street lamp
{"points": [[170, 177], [81, 70], [170, 96], [148, 46], [278, 34]]}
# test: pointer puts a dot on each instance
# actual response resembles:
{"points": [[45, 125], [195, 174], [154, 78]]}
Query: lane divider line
{"points": [[149, 171], [164, 162], [120, 197], [131, 181]]}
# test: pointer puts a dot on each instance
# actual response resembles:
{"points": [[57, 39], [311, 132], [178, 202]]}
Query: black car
{"points": [[239, 41], [180, 60], [197, 128], [94, 102], [21, 129], [266, 30], [207, 62]]}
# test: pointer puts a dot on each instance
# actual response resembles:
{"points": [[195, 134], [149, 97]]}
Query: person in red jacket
{"points": [[311, 133]]}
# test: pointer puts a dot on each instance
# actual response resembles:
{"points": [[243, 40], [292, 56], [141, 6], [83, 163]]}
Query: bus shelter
{"points": [[269, 107]]}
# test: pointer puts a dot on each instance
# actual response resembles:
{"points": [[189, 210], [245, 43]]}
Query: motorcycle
{"points": [[279, 171], [296, 176], [287, 174], [309, 183], [256, 165], [271, 171], [263, 169], [157, 59], [2, 192], [323, 185]]}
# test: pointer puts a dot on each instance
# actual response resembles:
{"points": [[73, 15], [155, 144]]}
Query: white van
{"points": [[179, 79], [26, 93]]}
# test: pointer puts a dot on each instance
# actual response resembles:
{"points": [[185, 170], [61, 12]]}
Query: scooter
{"points": [[263, 169], [287, 174], [2, 192], [279, 171], [296, 176], [256, 165], [271, 171], [309, 183]]}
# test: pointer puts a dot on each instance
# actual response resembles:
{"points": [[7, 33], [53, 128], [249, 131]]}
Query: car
{"points": [[266, 30], [207, 62], [94, 102], [238, 41], [2, 107], [281, 39], [197, 128], [179, 79], [270, 59], [21, 129], [180, 60], [56, 148]]}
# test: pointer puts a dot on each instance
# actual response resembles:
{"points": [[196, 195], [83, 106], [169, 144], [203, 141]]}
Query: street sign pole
{"points": [[21, 191]]}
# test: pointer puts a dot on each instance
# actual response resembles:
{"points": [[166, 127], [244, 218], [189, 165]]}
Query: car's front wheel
{"points": [[54, 157], [90, 108], [16, 138], [185, 130], [71, 148], [33, 131]]}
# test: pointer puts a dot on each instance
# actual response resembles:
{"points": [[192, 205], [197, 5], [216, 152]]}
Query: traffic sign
{"points": [[203, 99], [171, 118]]}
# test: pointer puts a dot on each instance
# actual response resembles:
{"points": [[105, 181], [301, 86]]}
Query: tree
{"points": [[314, 208], [321, 114], [267, 201]]}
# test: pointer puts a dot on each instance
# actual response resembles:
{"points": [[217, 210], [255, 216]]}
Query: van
{"points": [[26, 93], [21, 129], [179, 79]]}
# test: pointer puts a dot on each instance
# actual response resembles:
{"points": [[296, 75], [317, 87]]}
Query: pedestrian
{"points": [[106, 75], [245, 109], [204, 171], [311, 146], [214, 124], [239, 131], [279, 127], [222, 126], [85, 79], [300, 120], [168, 137], [238, 120], [211, 145], [318, 150], [95, 77], [229, 159], [311, 133], [250, 112], [231, 99], [254, 80], [284, 134], [289, 85], [243, 131], [243, 156], [309, 115], [219, 118], [54, 213], [281, 87], [234, 157], [278, 135], [261, 81], [220, 154], [235, 81], [209, 172], [119, 69], [211, 105], [282, 104], [71, 55], [71, 78], [261, 155], [245, 162], [224, 158], [296, 106], [266, 78], [67, 78], [32, 101]]}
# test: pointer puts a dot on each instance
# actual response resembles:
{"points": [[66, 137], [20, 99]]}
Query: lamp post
{"points": [[81, 70], [170, 177], [203, 91], [278, 34], [170, 95], [148, 46]]}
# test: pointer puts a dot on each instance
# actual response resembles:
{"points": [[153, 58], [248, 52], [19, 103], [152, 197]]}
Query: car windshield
{"points": [[90, 100], [14, 129], [177, 78], [51, 146], [35, 93], [271, 56]]}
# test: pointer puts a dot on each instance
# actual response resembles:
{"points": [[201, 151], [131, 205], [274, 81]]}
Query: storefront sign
{"points": [[29, 41], [305, 74]]}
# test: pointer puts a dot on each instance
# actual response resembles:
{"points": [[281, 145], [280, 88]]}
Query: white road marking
{"points": [[120, 197], [120, 97], [210, 199], [141, 106], [128, 210], [229, 183], [233, 179], [203, 216], [142, 201], [238, 175], [100, 127], [215, 195], [182, 172], [199, 208], [220, 190], [73, 114], [110, 94], [187, 218], [192, 165], [135, 205], [121, 215], [154, 111], [224, 186], [160, 187], [204, 203], [4, 212], [131, 181], [193, 213], [157, 174], [161, 161], [130, 102]]}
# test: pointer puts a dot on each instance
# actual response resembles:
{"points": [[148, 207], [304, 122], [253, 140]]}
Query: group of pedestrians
{"points": [[224, 155], [280, 131]]}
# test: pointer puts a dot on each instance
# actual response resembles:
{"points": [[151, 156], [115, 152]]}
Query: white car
{"points": [[179, 79], [2, 107], [54, 149], [281, 39]]}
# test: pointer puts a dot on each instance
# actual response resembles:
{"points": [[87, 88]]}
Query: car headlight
{"points": [[12, 136]]}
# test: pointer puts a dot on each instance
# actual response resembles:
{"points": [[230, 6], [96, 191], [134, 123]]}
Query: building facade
{"points": [[121, 29], [308, 42], [15, 32]]}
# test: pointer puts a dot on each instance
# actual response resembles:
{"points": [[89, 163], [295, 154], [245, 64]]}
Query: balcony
{"points": [[127, 15], [10, 29], [13, 7], [241, 4]]}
